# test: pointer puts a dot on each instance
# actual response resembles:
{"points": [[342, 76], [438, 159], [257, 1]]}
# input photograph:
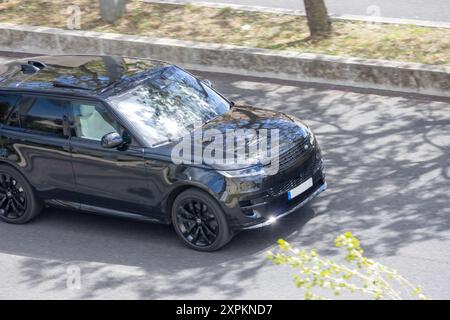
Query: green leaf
{"points": [[357, 274], [284, 246]]}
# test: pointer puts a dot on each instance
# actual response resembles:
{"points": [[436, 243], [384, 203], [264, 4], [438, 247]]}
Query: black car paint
{"points": [[140, 181]]}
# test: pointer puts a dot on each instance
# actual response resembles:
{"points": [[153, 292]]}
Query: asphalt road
{"points": [[388, 167], [432, 10]]}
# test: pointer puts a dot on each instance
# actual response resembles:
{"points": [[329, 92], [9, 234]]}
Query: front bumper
{"points": [[273, 219], [259, 209]]}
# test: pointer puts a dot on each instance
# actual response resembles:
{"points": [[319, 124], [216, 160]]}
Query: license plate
{"points": [[300, 189]]}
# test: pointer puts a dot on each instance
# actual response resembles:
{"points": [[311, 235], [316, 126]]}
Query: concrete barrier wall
{"points": [[285, 65]]}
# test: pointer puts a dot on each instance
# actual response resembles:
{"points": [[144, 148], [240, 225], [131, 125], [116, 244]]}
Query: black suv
{"points": [[98, 133]]}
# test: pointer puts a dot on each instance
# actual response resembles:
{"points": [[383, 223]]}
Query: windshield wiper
{"points": [[203, 88], [158, 144]]}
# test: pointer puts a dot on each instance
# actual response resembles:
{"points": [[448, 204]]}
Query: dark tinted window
{"points": [[44, 115], [7, 102]]}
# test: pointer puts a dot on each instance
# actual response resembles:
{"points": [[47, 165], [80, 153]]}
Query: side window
{"points": [[92, 121], [7, 103], [44, 115]]}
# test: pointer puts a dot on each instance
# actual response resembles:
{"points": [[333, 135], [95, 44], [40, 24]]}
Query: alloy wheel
{"points": [[13, 200], [197, 223]]}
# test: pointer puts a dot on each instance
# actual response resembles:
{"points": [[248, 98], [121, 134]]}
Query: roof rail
{"points": [[59, 84]]}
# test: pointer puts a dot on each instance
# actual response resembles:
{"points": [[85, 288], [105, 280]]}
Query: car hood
{"points": [[290, 130], [247, 117]]}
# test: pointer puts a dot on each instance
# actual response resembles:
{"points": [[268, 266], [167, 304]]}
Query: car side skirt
{"points": [[101, 211]]}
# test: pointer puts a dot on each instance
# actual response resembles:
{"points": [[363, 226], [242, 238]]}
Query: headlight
{"points": [[247, 172], [312, 138]]}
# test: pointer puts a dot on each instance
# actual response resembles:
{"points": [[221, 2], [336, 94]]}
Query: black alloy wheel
{"points": [[197, 224], [18, 203], [13, 200], [199, 221]]}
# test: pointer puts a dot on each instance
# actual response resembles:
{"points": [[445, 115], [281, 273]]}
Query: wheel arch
{"points": [[16, 168], [167, 205], [34, 206]]}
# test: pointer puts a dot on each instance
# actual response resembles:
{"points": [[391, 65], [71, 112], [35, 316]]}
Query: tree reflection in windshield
{"points": [[168, 104]]}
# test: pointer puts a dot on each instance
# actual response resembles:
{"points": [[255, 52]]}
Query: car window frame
{"points": [[11, 93], [72, 117], [136, 143], [21, 103], [126, 125]]}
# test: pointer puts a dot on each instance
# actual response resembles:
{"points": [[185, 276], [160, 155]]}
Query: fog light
{"points": [[272, 219]]}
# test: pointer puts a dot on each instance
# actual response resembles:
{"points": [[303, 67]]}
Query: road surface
{"points": [[432, 10], [388, 167]]}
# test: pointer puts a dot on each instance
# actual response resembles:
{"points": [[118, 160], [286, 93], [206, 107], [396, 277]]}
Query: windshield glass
{"points": [[168, 104]]}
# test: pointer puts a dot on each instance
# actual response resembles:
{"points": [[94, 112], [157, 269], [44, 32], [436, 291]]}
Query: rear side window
{"points": [[44, 115], [7, 103]]}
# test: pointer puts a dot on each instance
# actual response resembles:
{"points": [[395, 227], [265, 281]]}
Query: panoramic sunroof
{"points": [[74, 72]]}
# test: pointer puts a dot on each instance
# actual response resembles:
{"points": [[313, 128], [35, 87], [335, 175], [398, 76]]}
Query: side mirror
{"points": [[208, 83], [112, 140]]}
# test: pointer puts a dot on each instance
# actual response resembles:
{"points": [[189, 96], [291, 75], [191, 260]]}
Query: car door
{"points": [[35, 139], [112, 179]]}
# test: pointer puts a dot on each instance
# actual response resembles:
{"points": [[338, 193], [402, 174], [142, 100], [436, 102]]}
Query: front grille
{"points": [[307, 173], [290, 157]]}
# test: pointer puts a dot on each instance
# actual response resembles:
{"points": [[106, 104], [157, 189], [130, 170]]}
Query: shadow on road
{"points": [[74, 237], [388, 160]]}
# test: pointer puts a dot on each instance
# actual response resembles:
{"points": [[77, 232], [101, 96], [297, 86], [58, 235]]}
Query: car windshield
{"points": [[168, 104]]}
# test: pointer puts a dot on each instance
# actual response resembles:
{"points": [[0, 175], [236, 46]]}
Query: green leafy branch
{"points": [[361, 275]]}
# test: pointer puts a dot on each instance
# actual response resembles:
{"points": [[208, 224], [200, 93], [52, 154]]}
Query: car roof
{"points": [[90, 75]]}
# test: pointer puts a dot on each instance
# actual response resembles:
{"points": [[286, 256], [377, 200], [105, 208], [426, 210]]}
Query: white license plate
{"points": [[300, 189]]}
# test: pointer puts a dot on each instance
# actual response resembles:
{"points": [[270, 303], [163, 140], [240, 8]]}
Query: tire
{"points": [[199, 227], [18, 202]]}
